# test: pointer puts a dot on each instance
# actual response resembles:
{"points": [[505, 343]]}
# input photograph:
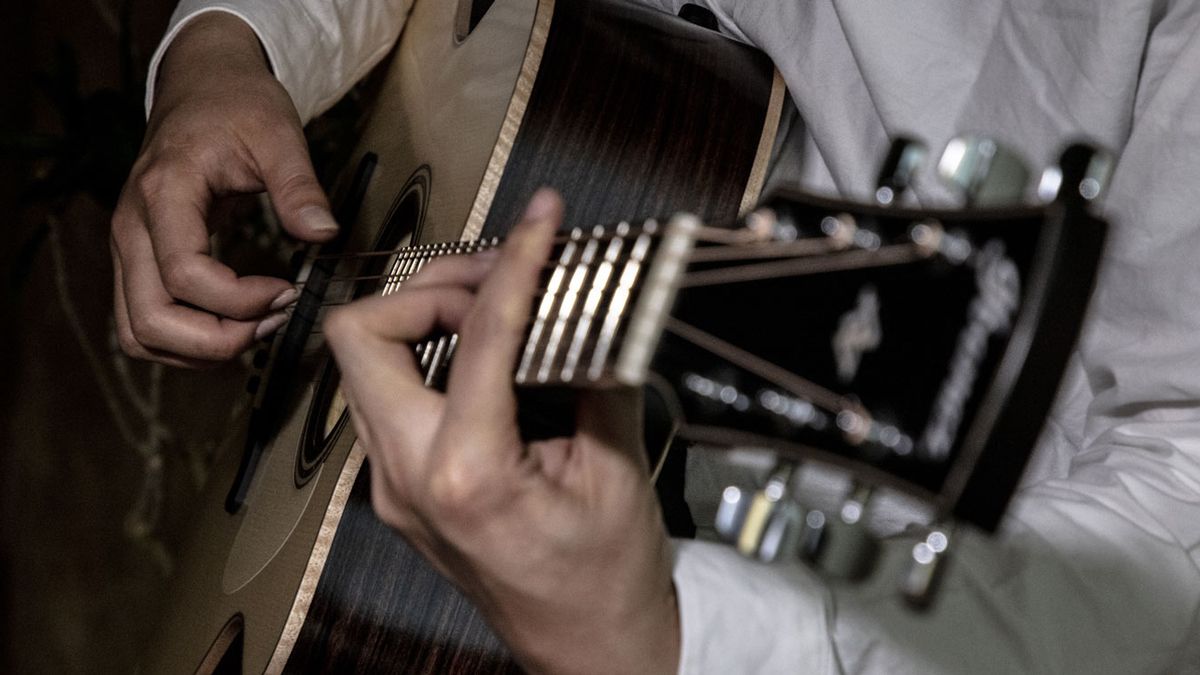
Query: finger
{"points": [[371, 340], [480, 397], [125, 337], [297, 197], [161, 325], [467, 271], [176, 207]]}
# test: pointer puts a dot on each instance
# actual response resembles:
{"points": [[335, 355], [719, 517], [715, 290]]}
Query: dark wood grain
{"points": [[380, 608], [636, 114], [633, 114]]}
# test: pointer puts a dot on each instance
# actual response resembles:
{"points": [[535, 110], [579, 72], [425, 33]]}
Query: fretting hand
{"points": [[560, 542], [221, 124]]}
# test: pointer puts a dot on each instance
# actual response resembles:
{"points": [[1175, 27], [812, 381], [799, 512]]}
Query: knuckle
{"points": [[145, 329], [150, 183], [296, 185], [179, 274], [455, 490]]}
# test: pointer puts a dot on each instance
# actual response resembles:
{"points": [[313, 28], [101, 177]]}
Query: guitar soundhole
{"points": [[470, 13], [327, 413]]}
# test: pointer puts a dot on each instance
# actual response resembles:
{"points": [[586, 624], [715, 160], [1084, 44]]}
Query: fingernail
{"points": [[318, 220], [269, 325], [542, 205], [285, 298]]}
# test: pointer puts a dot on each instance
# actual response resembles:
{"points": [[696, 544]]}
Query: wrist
{"points": [[212, 46]]}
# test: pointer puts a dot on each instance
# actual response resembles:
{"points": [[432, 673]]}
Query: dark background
{"points": [[101, 457]]}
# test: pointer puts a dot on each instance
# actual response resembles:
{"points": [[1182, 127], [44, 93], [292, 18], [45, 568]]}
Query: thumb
{"points": [[299, 201]]}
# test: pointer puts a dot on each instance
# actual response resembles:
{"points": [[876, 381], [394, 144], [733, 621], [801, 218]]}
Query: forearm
{"points": [[317, 50], [205, 54]]}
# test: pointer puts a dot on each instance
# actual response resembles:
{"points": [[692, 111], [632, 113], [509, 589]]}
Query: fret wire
{"points": [[436, 361], [617, 305], [399, 273], [566, 308], [547, 304], [483, 244], [599, 286], [426, 353]]}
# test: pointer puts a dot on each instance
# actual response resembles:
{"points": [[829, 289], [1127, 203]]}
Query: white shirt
{"points": [[1097, 567]]}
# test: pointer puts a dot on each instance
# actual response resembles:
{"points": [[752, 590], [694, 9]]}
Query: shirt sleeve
{"points": [[1097, 566], [318, 50]]}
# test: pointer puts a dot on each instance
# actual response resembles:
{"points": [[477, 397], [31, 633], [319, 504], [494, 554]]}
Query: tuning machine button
{"points": [[1081, 175], [926, 565], [762, 507], [782, 533], [985, 172], [847, 549], [731, 512], [904, 158], [762, 524]]}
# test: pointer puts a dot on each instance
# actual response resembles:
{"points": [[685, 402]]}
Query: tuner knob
{"points": [[812, 535], [985, 172], [1081, 175], [782, 533], [762, 509], [926, 564], [848, 550], [904, 158], [731, 512]]}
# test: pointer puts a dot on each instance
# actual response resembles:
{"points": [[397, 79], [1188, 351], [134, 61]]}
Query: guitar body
{"points": [[631, 114]]}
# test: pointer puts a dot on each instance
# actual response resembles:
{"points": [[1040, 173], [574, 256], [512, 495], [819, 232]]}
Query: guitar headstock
{"points": [[918, 351]]}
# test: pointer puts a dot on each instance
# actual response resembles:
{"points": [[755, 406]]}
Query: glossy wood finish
{"points": [[321, 584], [380, 608], [637, 115]]}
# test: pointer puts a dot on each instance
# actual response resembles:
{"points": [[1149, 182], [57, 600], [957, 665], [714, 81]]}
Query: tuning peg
{"points": [[848, 550], [731, 512], [926, 564], [905, 157], [762, 507], [984, 171], [1081, 175], [812, 535], [782, 533]]}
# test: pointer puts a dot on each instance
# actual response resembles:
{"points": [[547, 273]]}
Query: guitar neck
{"points": [[602, 303]]}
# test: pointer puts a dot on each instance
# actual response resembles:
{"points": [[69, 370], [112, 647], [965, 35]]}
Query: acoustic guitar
{"points": [[913, 349]]}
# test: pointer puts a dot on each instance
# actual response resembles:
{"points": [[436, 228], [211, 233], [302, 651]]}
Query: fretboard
{"points": [[600, 307]]}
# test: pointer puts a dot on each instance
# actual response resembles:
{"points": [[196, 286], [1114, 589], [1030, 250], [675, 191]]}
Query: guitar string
{"points": [[794, 384], [768, 371], [700, 255], [709, 234], [902, 254], [896, 254]]}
